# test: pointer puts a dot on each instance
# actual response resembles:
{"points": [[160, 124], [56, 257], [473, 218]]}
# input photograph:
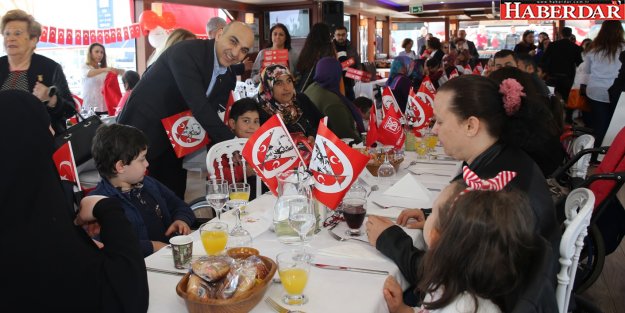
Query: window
{"points": [[414, 30]]}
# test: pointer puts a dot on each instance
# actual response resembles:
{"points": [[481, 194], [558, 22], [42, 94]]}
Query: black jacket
{"points": [[397, 245], [51, 74], [562, 57], [177, 82]]}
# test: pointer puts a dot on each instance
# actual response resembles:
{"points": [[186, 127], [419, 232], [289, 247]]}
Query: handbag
{"points": [[577, 101], [81, 136]]}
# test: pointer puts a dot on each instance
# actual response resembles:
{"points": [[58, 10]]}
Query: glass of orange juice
{"points": [[214, 237], [239, 195], [293, 268]]}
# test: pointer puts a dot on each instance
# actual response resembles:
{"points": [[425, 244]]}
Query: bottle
{"points": [[293, 187]]}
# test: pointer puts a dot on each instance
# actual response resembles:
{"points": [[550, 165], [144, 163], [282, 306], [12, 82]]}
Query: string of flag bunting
{"points": [[65, 36]]}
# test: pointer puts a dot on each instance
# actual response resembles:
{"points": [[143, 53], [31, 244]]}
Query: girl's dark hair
{"points": [[287, 41], [406, 42], [485, 247], [90, 60], [433, 43], [242, 106], [116, 142], [609, 39], [473, 95], [318, 44], [130, 79]]}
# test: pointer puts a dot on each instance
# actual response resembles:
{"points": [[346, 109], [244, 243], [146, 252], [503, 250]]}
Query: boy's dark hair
{"points": [[433, 63], [241, 106], [116, 142], [504, 53], [433, 43], [130, 79], [363, 103], [566, 32], [526, 58]]}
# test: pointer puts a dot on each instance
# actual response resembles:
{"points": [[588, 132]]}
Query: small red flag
{"points": [[229, 107], [185, 133], [65, 164], [391, 131], [418, 112]]}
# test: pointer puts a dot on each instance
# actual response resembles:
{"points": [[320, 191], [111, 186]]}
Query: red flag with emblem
{"points": [[418, 112], [468, 70], [64, 160], [185, 133], [271, 151], [427, 91], [476, 71], [229, 107], [372, 134], [391, 131], [334, 166], [453, 74], [479, 67]]}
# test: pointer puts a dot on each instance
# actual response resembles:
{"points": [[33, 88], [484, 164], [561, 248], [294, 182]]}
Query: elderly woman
{"points": [[399, 80], [22, 69], [486, 124], [276, 95], [280, 39], [344, 119]]}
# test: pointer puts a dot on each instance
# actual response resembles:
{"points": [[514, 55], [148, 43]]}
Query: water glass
{"points": [[294, 268], [386, 169], [301, 216], [217, 195]]}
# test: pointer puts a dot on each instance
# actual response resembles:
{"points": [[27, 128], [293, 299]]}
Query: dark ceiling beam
{"points": [[452, 6]]}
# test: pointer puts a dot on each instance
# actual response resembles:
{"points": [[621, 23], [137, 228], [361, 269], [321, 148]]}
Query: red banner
{"points": [[185, 133], [357, 75]]}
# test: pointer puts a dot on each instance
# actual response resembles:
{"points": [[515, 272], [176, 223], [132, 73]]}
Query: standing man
{"points": [[344, 52], [192, 74], [561, 61], [472, 50], [215, 26]]}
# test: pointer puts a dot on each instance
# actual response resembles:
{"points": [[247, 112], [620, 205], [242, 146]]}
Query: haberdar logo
{"points": [[563, 10], [392, 125], [187, 132]]}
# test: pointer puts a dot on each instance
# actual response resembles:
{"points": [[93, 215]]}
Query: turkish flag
{"points": [[85, 38], [44, 34], [111, 92], [107, 36], [271, 151], [334, 166], [185, 133], [229, 107], [60, 36], [418, 112], [126, 33], [99, 36], [65, 165], [135, 31], [391, 131], [118, 35], [453, 74], [93, 36], [77, 37], [69, 37], [372, 134], [52, 34]]}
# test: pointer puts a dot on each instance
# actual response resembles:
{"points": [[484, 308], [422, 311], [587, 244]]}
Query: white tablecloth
{"points": [[328, 290]]}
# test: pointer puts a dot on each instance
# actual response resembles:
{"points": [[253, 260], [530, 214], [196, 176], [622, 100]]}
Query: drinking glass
{"points": [[386, 169], [353, 207], [214, 237], [293, 268], [421, 148], [217, 195], [301, 216], [240, 192]]}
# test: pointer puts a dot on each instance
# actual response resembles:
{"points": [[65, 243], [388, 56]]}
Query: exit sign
{"points": [[414, 9]]}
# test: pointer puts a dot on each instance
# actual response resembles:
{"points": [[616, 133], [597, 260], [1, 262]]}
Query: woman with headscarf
{"points": [[51, 263], [399, 80], [344, 118], [276, 95], [23, 69]]}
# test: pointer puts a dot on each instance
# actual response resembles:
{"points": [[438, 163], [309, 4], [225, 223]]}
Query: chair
{"points": [[228, 148], [578, 209]]}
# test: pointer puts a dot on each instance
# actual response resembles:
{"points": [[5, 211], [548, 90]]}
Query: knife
{"points": [[351, 269], [435, 163], [157, 270]]}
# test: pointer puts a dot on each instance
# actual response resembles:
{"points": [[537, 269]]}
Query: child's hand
{"points": [[394, 296], [411, 218], [157, 245], [85, 213], [375, 226], [178, 226]]}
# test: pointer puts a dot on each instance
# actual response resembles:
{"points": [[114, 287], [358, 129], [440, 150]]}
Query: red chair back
{"points": [[614, 161]]}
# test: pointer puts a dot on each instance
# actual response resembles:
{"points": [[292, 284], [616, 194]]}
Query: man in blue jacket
{"points": [[153, 210]]}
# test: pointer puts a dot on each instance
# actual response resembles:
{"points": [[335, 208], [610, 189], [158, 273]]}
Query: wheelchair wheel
{"points": [[591, 260], [203, 212]]}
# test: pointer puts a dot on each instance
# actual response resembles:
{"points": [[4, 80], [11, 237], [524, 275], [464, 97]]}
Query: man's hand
{"points": [[411, 218], [375, 226]]}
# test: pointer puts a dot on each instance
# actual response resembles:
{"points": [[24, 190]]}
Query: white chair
{"points": [[228, 148], [578, 209], [580, 168]]}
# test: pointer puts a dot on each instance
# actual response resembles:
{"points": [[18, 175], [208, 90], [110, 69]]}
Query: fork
{"points": [[339, 238], [278, 308]]}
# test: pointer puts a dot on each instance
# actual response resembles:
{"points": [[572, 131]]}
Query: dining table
{"points": [[327, 290]]}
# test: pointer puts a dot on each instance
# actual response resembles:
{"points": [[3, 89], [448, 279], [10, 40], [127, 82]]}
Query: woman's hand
{"points": [[375, 226], [41, 91], [178, 226], [394, 296], [411, 218]]}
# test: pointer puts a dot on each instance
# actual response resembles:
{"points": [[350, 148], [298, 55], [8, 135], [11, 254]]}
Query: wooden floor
{"points": [[608, 292]]}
